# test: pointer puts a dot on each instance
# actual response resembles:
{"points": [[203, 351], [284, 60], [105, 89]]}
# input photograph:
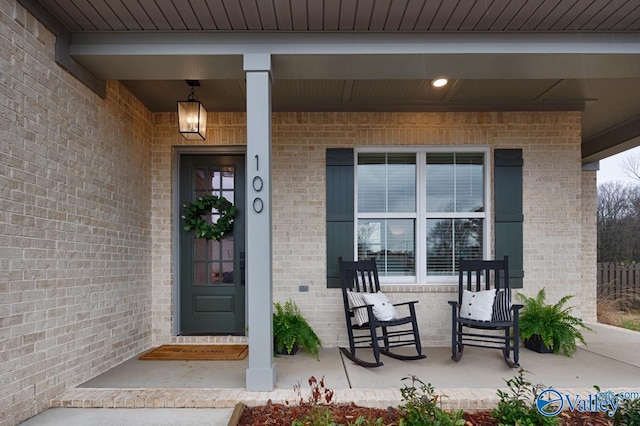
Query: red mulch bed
{"points": [[282, 415]]}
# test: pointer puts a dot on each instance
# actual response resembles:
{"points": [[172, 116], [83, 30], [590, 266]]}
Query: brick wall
{"points": [[555, 198], [588, 295], [75, 202], [87, 212]]}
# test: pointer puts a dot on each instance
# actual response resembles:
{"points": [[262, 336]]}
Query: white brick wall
{"points": [[75, 202], [555, 198], [586, 301]]}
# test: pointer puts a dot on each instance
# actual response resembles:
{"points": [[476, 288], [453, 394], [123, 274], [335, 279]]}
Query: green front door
{"points": [[212, 287]]}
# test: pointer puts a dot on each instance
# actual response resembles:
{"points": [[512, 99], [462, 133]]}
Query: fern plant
{"points": [[554, 324], [291, 328]]}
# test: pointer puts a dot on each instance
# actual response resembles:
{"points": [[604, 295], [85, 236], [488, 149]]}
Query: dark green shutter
{"points": [[508, 211], [339, 211]]}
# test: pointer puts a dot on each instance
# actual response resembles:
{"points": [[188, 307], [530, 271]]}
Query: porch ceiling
{"points": [[372, 55]]}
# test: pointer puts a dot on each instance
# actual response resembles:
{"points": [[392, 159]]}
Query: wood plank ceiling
{"points": [[347, 15]]}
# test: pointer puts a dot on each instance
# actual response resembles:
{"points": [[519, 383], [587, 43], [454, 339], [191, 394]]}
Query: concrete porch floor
{"points": [[211, 388]]}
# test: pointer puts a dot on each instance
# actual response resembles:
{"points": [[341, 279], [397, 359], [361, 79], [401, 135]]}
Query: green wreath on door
{"points": [[201, 206]]}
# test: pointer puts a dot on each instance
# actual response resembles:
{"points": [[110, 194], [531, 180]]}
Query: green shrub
{"points": [[319, 400], [421, 408], [518, 407], [631, 325], [319, 396], [628, 413]]}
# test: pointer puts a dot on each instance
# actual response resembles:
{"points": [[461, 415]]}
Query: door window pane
{"points": [[200, 273], [227, 273], [214, 264], [214, 273], [200, 252], [200, 177], [226, 248]]}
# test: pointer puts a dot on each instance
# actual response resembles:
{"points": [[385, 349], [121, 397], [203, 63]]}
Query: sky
{"points": [[610, 170]]}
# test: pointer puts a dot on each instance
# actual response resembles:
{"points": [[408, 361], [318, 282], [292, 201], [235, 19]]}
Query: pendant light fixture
{"points": [[192, 117]]}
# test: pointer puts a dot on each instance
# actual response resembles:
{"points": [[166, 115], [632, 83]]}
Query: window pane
{"points": [[200, 183], [216, 179], [200, 273], [200, 249], [468, 238], [401, 182], [469, 183], [449, 239], [391, 242], [440, 183], [214, 273], [227, 272], [440, 247], [387, 182], [455, 182]]}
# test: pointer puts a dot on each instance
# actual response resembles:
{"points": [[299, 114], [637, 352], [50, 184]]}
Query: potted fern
{"points": [[549, 328], [291, 330]]}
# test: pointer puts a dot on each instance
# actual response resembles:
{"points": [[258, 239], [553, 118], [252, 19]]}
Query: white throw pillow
{"points": [[355, 299], [477, 305], [383, 309]]}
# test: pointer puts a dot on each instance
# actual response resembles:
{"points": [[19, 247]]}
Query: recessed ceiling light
{"points": [[439, 82]]}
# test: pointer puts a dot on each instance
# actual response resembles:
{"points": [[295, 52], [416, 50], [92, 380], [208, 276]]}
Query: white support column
{"points": [[261, 373]]}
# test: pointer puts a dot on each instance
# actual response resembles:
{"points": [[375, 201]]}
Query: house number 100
{"points": [[258, 184]]}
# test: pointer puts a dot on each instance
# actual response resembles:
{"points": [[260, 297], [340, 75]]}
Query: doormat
{"points": [[196, 353]]}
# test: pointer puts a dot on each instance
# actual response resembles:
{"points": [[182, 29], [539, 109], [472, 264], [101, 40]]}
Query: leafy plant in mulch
{"points": [[319, 395], [420, 406], [628, 413], [517, 406]]}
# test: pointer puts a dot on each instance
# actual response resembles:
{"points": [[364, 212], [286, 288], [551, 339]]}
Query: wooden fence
{"points": [[620, 281]]}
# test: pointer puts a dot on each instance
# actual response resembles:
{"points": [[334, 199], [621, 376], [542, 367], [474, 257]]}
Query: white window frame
{"points": [[421, 215]]}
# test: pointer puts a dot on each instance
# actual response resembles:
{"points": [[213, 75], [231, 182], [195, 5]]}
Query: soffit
{"points": [[346, 15]]}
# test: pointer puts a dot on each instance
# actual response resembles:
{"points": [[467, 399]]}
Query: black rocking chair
{"points": [[365, 331], [475, 276]]}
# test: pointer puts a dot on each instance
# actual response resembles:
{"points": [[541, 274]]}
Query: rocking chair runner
{"points": [[476, 276], [364, 329]]}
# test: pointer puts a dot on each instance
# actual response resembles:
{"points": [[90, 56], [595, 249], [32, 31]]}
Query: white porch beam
{"points": [[261, 373], [209, 43], [180, 55]]}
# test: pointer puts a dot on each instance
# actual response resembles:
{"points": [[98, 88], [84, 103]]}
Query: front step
{"points": [[466, 399], [166, 398]]}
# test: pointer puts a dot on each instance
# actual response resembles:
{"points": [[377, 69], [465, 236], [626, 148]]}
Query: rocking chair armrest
{"points": [[353, 309], [413, 302], [455, 307], [516, 312]]}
